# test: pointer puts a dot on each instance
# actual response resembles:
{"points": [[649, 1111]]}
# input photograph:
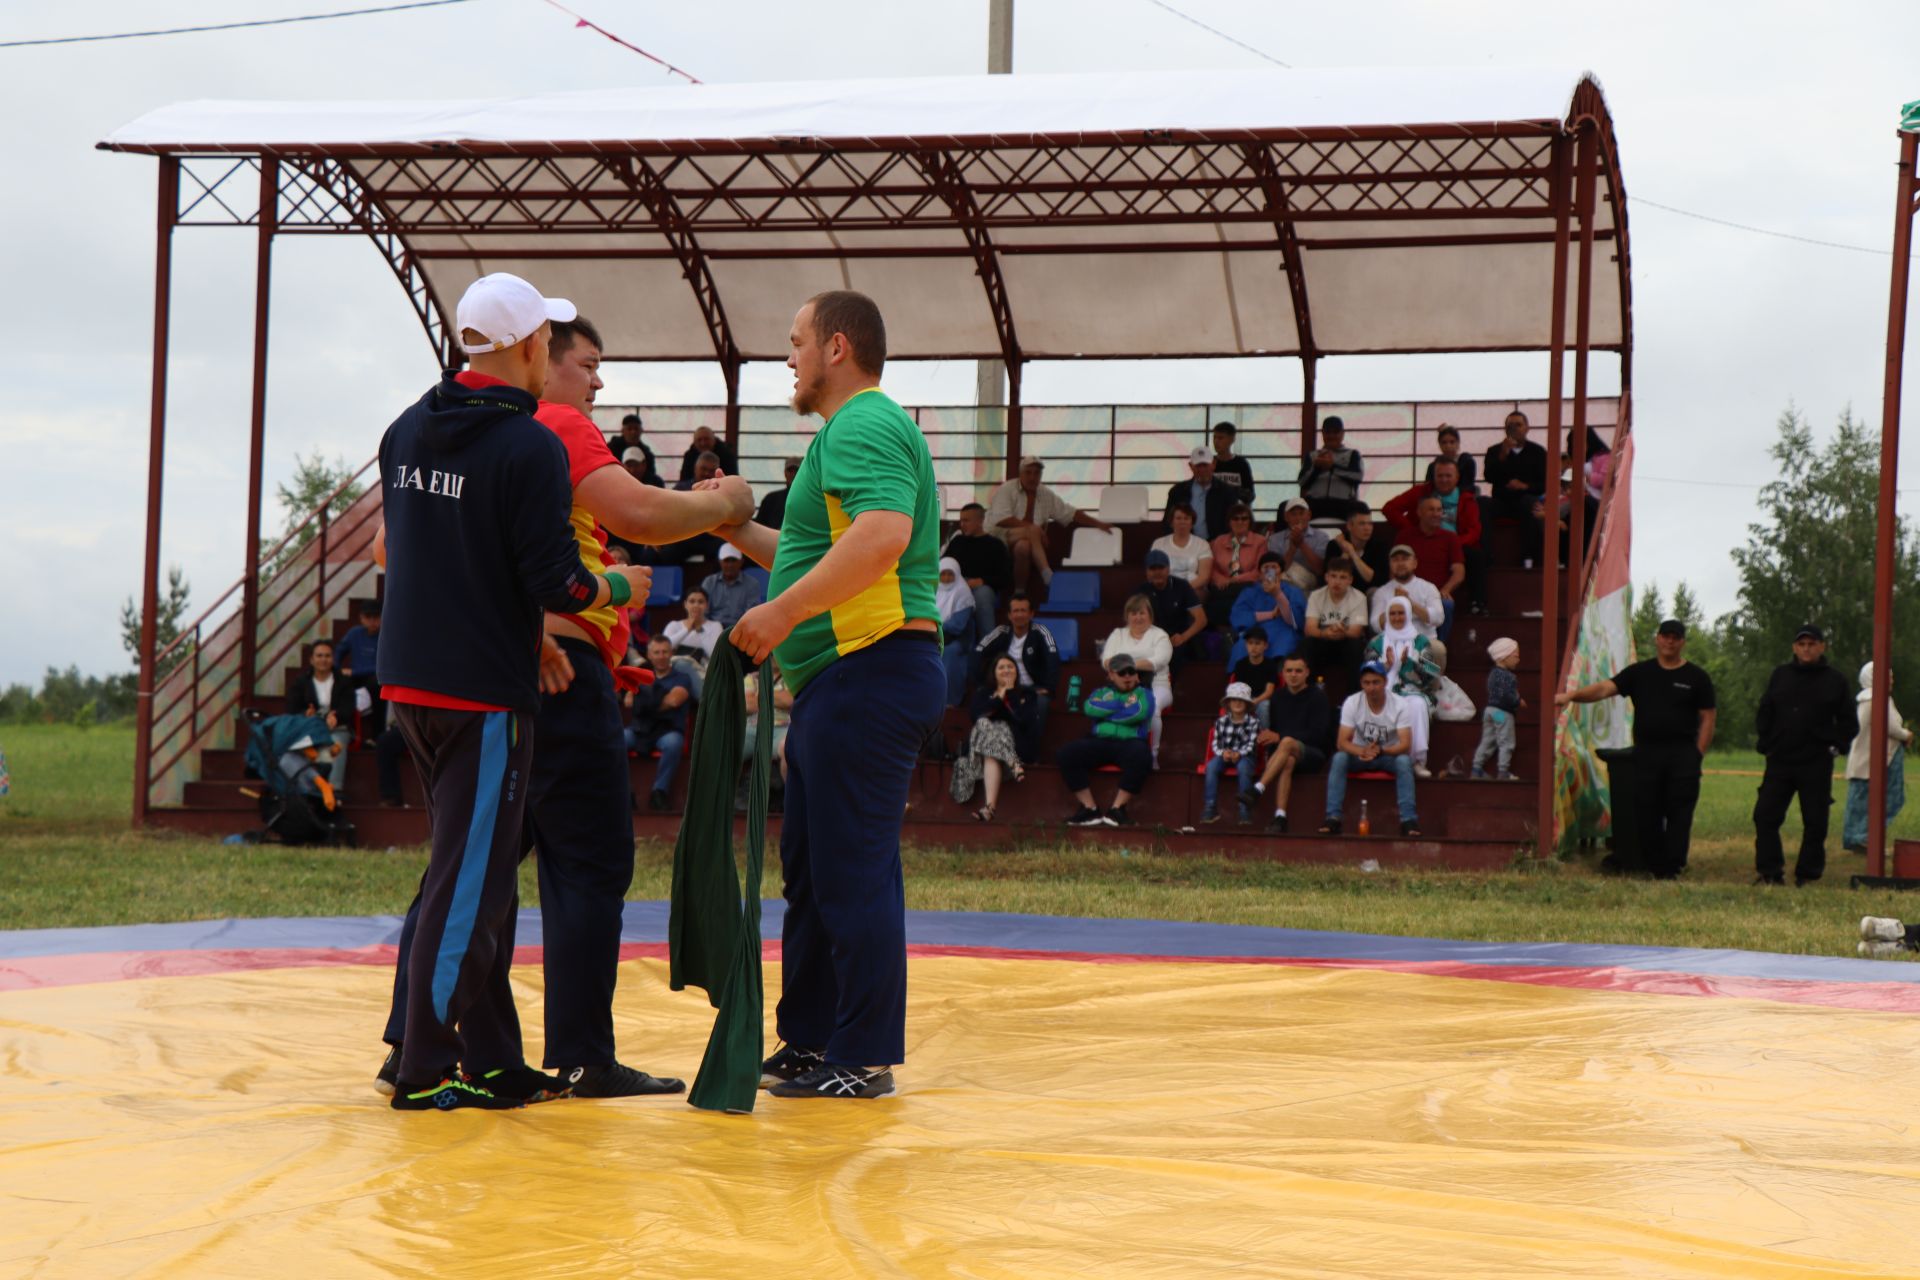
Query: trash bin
{"points": [[1627, 854]]}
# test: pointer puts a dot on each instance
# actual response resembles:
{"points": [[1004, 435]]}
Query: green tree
{"points": [[173, 609], [1648, 613], [302, 494]]}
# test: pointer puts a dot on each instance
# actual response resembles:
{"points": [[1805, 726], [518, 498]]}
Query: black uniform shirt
{"points": [[1666, 704]]}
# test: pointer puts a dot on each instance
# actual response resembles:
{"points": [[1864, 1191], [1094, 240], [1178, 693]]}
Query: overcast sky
{"points": [[1767, 114]]}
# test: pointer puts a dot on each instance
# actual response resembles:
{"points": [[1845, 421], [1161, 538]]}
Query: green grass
{"points": [[67, 858]]}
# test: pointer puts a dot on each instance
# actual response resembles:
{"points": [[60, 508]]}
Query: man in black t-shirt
{"points": [[1229, 468], [1260, 672], [984, 562], [1673, 714], [1176, 607]]}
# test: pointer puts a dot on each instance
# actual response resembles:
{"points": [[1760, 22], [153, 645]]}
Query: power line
{"points": [[231, 26], [1239, 44], [625, 44], [1760, 231]]}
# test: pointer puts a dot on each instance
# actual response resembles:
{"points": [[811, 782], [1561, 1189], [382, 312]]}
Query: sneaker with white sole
{"points": [[1422, 772], [387, 1079], [789, 1062], [830, 1081], [1882, 929]]}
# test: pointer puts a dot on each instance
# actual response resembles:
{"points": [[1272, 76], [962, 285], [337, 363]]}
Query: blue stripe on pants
{"points": [[473, 861]]}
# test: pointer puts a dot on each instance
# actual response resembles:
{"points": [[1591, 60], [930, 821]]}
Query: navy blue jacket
{"points": [[477, 499]]}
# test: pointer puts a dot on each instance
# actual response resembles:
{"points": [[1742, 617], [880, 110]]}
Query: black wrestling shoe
{"points": [[451, 1094], [522, 1083], [829, 1081], [789, 1062], [387, 1079], [1277, 825], [616, 1080], [1116, 817], [1084, 817]]}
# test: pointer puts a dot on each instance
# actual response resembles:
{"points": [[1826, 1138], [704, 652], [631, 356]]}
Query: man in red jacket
{"points": [[1460, 516]]}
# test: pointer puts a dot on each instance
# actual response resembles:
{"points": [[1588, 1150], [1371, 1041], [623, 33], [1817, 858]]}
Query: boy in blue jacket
{"points": [[1122, 712]]}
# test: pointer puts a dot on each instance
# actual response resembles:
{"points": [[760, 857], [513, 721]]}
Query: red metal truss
{"points": [[1273, 188], [945, 176], [663, 209]]}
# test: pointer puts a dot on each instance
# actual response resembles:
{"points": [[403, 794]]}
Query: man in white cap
{"points": [[1020, 511], [731, 591], [1209, 499], [477, 545]]}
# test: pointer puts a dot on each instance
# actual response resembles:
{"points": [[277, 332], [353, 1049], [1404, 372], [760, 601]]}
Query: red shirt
{"points": [[587, 452], [1434, 554]]}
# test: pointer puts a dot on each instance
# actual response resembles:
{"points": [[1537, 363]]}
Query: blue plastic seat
{"points": [[1065, 633], [758, 574], [1074, 592], [666, 585]]}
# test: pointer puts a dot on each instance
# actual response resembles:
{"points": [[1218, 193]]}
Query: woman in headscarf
{"points": [[1853, 830], [955, 601], [1413, 673], [1151, 649], [1006, 733]]}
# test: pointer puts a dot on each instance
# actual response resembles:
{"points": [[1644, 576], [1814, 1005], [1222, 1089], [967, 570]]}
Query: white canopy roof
{"points": [[1166, 214]]}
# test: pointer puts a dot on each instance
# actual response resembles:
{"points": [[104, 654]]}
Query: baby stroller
{"points": [[297, 804]]}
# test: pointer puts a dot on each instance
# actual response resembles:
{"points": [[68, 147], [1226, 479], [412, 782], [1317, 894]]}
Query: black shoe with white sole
{"points": [[1084, 817], [1117, 817], [387, 1079], [829, 1081], [617, 1080], [789, 1062], [522, 1082]]}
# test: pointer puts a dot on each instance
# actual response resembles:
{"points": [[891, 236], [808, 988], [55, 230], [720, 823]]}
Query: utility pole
{"points": [[990, 386]]}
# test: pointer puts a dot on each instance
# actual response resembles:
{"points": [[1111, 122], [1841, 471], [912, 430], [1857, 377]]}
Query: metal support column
{"points": [[169, 204], [1588, 154], [1309, 406], [730, 371], [1884, 545], [256, 445], [1014, 417], [1544, 842]]}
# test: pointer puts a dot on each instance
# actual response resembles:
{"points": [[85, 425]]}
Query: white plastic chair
{"points": [[1093, 548], [1123, 504]]}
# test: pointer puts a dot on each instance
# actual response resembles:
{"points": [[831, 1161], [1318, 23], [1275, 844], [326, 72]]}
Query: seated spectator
{"points": [[1176, 609], [1151, 651], [657, 717], [1438, 557], [1005, 735], [1422, 597], [1031, 647], [1362, 545], [957, 639], [691, 640], [984, 562], [1236, 565], [701, 546], [1235, 736], [1516, 472], [358, 661], [629, 437], [1413, 668], [1374, 734], [1207, 498], [1301, 737], [1259, 671], [1229, 469], [1594, 472], [705, 442], [1459, 515], [782, 719], [1330, 477], [1020, 511], [773, 508], [1301, 547], [1189, 558], [1274, 605], [1448, 438], [317, 691], [731, 590], [1121, 712], [1336, 622], [639, 464]]}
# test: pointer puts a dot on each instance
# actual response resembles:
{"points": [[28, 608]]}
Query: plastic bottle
{"points": [[1366, 827], [1073, 693]]}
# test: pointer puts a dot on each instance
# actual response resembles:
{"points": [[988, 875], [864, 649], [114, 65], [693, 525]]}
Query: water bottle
{"points": [[1366, 827], [1073, 693]]}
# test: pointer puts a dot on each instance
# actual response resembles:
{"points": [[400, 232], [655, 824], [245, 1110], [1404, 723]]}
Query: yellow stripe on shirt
{"points": [[875, 612]]}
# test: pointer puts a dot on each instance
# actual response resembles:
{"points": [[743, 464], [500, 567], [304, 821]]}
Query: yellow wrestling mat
{"points": [[1056, 1118]]}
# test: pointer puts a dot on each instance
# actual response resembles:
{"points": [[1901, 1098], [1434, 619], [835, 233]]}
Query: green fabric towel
{"points": [[713, 933]]}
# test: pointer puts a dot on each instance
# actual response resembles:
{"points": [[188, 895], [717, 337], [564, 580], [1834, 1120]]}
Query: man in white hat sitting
{"points": [[731, 592], [1209, 498]]}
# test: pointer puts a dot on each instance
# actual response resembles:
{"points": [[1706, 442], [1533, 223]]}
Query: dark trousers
{"points": [[459, 1007], [1079, 758], [1476, 583], [388, 752], [851, 753], [1812, 782], [1325, 657], [579, 822], [1667, 782]]}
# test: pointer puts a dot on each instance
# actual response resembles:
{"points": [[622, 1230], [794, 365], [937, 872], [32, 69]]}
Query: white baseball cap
{"points": [[1199, 456], [505, 310], [729, 552]]}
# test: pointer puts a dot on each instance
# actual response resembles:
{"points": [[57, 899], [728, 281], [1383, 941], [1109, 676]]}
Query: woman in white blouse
{"points": [[1152, 652], [1187, 556]]}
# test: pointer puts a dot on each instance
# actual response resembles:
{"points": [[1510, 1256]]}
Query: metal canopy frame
{"points": [[1292, 192]]}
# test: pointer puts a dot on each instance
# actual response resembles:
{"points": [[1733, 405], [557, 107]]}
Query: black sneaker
{"points": [[1117, 817], [451, 1094], [1410, 828], [1331, 827], [387, 1079], [789, 1062], [829, 1081], [521, 1082], [656, 800], [1084, 817], [1246, 812], [1277, 825], [617, 1080], [1211, 814]]}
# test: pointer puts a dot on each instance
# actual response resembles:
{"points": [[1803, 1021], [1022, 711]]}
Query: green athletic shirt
{"points": [[870, 456]]}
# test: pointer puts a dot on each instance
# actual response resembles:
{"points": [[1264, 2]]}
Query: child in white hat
{"points": [[1235, 734], [1497, 729]]}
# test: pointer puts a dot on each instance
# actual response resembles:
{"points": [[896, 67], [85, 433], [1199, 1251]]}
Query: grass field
{"points": [[67, 858]]}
